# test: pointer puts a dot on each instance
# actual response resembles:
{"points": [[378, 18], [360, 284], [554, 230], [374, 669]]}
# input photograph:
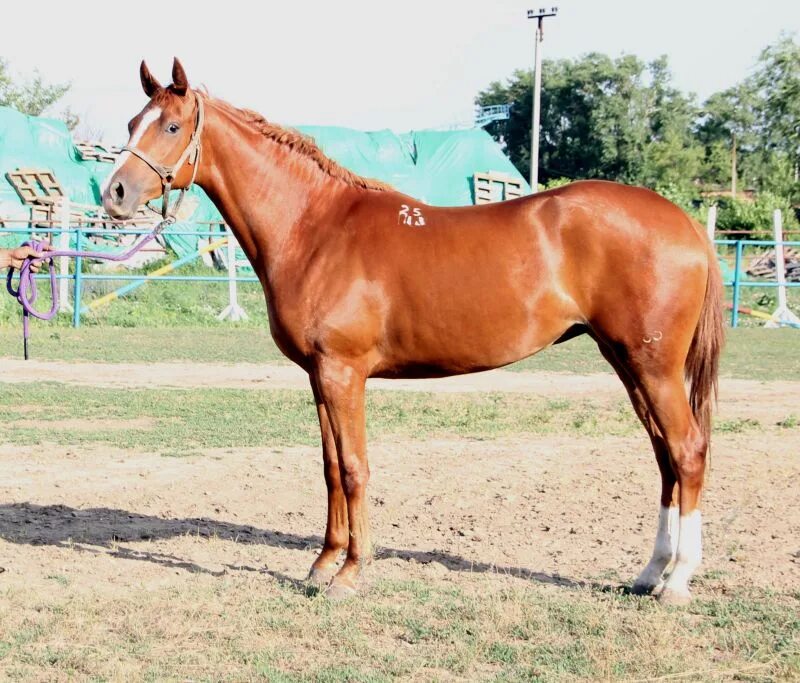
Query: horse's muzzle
{"points": [[118, 201]]}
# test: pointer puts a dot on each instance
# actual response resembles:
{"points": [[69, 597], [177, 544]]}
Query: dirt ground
{"points": [[555, 509]]}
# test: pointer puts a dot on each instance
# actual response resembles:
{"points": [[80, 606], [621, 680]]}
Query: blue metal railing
{"points": [[79, 277], [737, 282]]}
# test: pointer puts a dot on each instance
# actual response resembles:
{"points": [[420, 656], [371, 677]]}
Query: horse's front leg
{"points": [[341, 387], [336, 531]]}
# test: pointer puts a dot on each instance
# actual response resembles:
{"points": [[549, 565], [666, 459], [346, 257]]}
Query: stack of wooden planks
{"points": [[764, 265]]}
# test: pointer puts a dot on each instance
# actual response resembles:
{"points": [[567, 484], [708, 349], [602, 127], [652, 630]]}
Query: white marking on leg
{"points": [[136, 136], [666, 546], [690, 553]]}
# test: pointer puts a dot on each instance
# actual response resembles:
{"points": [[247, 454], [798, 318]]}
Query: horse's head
{"points": [[163, 149]]}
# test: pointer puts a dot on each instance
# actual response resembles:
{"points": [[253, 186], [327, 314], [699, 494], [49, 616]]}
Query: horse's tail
{"points": [[702, 362]]}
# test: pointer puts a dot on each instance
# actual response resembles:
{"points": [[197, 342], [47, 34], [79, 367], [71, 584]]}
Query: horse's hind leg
{"points": [[651, 578], [655, 367], [663, 322], [336, 530], [687, 451], [665, 396]]}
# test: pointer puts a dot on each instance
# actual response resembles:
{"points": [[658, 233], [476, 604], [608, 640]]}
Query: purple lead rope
{"points": [[26, 292]]}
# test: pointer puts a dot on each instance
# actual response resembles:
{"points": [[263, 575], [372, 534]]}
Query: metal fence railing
{"points": [[782, 315], [737, 282], [73, 282]]}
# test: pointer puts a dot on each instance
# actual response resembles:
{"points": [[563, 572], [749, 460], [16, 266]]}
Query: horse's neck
{"points": [[262, 191]]}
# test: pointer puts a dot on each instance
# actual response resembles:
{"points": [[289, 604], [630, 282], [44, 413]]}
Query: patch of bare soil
{"points": [[551, 509]]}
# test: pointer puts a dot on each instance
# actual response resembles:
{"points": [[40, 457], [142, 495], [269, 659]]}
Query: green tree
{"points": [[778, 80], [727, 118], [672, 155], [618, 119], [778, 77], [762, 115], [32, 97]]}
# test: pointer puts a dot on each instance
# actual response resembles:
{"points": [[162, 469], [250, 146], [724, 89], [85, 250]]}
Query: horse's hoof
{"points": [[646, 588], [320, 577], [642, 588], [673, 598], [338, 591]]}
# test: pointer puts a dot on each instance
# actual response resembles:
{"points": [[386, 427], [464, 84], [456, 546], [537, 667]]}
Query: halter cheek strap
{"points": [[168, 173]]}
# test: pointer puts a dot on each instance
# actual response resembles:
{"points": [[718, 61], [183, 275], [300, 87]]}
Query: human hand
{"points": [[16, 257]]}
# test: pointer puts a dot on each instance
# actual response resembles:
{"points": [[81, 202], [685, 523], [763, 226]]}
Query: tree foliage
{"points": [[754, 218], [623, 119], [32, 97], [778, 80]]}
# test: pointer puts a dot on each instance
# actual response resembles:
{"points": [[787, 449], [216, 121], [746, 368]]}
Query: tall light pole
{"points": [[540, 16]]}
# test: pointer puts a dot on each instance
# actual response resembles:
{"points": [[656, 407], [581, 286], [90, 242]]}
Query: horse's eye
{"points": [[173, 128]]}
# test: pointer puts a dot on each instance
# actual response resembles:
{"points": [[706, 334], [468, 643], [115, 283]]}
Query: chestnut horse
{"points": [[362, 281]]}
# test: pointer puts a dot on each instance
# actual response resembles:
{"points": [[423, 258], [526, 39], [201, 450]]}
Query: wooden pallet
{"points": [[495, 187], [96, 151], [50, 215], [765, 265], [40, 190], [35, 185]]}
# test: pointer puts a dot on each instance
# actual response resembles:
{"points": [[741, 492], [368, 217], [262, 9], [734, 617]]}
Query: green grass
{"points": [[763, 299], [749, 353], [739, 425], [179, 421], [473, 630], [758, 353], [228, 343]]}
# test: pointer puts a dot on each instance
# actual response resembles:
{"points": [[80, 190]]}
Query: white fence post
{"points": [[782, 315], [711, 221], [63, 262], [233, 311]]}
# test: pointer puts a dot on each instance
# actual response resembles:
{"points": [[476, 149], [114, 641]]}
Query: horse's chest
{"points": [[287, 329]]}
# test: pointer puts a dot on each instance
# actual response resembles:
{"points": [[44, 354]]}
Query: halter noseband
{"points": [[168, 173]]}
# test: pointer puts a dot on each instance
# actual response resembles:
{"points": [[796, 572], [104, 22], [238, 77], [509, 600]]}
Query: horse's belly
{"points": [[437, 341]]}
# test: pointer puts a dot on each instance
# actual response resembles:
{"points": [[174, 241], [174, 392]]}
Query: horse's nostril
{"points": [[118, 191]]}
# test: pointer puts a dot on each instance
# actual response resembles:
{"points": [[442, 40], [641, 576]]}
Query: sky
{"points": [[368, 65]]}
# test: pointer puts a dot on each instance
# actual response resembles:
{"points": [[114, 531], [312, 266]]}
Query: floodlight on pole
{"points": [[540, 15]]}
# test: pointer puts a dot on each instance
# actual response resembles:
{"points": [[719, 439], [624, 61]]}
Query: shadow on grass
{"points": [[100, 530]]}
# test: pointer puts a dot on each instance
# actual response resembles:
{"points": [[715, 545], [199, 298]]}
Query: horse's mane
{"points": [[297, 142]]}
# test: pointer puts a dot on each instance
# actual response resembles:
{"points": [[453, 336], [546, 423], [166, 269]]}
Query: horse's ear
{"points": [[180, 84], [149, 83]]}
